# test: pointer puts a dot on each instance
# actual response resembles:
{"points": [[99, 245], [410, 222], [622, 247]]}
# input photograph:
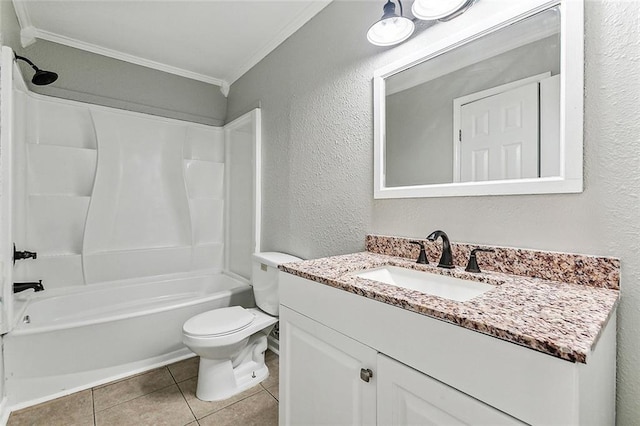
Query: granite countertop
{"points": [[560, 319]]}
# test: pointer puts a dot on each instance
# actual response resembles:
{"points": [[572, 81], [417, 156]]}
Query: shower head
{"points": [[41, 77]]}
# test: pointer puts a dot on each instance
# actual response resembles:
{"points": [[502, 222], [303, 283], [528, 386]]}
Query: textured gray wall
{"points": [[315, 91], [97, 79]]}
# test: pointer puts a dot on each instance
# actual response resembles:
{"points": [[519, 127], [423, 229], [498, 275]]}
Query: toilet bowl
{"points": [[231, 341]]}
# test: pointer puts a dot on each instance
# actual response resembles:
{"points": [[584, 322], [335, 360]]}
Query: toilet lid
{"points": [[219, 322]]}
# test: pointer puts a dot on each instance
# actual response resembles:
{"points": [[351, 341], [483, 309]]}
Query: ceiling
{"points": [[215, 41]]}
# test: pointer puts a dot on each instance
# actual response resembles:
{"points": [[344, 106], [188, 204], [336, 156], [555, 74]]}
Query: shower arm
{"points": [[22, 58]]}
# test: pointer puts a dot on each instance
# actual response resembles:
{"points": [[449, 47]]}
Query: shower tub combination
{"points": [[74, 340], [106, 195]]}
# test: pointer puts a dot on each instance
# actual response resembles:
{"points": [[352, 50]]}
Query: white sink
{"points": [[425, 282]]}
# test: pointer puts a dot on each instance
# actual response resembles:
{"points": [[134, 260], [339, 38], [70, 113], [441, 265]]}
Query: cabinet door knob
{"points": [[366, 374]]}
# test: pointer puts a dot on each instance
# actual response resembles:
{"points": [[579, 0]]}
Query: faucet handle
{"points": [[422, 257], [18, 255], [472, 265]]}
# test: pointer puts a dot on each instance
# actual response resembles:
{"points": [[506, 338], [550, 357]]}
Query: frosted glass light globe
{"points": [[390, 31], [430, 10]]}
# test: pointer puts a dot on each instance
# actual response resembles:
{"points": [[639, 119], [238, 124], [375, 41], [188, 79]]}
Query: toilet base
{"points": [[222, 379]]}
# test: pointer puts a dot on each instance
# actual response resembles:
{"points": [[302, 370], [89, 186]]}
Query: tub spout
{"points": [[18, 287]]}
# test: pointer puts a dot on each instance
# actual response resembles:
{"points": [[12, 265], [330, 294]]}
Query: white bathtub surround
{"points": [[105, 194], [109, 194], [133, 219], [77, 339]]}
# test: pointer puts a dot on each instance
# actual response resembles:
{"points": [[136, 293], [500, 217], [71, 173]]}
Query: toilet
{"points": [[231, 341]]}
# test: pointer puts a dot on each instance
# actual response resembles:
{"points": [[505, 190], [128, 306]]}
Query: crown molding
{"points": [[21, 13], [224, 88], [111, 53], [27, 30], [304, 16], [29, 34]]}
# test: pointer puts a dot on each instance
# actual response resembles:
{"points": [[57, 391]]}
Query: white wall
{"points": [[316, 96]]}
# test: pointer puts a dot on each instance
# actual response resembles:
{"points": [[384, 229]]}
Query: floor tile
{"points": [[272, 361], [120, 380], [274, 391], [125, 390], [162, 407], [257, 410], [203, 408], [74, 409], [185, 369]]}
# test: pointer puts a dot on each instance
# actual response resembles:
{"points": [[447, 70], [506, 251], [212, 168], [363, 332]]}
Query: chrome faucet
{"points": [[446, 259]]}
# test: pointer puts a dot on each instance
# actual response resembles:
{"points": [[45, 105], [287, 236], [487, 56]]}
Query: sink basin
{"points": [[425, 282]]}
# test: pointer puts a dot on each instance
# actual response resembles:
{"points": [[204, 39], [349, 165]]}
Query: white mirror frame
{"points": [[485, 17]]}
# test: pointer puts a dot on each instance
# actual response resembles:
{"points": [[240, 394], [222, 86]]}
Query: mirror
{"points": [[496, 108]]}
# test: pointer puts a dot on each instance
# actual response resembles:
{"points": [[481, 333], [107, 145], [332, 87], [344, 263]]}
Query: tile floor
{"points": [[164, 396]]}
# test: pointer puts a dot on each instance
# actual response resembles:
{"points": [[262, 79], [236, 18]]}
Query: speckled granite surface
{"points": [[560, 319], [595, 271]]}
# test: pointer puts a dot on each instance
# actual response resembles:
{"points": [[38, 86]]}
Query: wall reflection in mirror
{"points": [[486, 110]]}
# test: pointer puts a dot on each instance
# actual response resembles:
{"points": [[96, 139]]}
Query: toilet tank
{"points": [[264, 276]]}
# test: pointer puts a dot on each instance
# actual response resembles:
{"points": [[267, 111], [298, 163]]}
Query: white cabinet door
{"points": [[499, 138], [408, 397], [320, 375]]}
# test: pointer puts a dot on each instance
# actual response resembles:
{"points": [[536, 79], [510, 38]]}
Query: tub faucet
{"points": [[18, 287], [446, 259]]}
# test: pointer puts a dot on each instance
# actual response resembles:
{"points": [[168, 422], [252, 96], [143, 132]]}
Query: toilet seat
{"points": [[219, 322]]}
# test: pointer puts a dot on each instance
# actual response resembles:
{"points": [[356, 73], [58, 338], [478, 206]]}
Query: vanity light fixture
{"points": [[391, 28], [443, 10]]}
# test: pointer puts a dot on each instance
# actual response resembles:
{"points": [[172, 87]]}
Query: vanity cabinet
{"points": [[424, 371], [330, 379], [321, 375], [408, 397]]}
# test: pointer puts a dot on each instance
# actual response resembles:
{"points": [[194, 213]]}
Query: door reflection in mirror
{"points": [[486, 110]]}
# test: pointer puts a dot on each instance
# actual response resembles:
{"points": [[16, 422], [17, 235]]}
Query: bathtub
{"points": [[67, 341]]}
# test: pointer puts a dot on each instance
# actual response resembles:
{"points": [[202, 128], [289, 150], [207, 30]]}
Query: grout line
{"points": [[93, 408], [187, 402], [272, 396], [123, 379], [139, 396], [136, 397], [171, 374], [232, 404]]}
